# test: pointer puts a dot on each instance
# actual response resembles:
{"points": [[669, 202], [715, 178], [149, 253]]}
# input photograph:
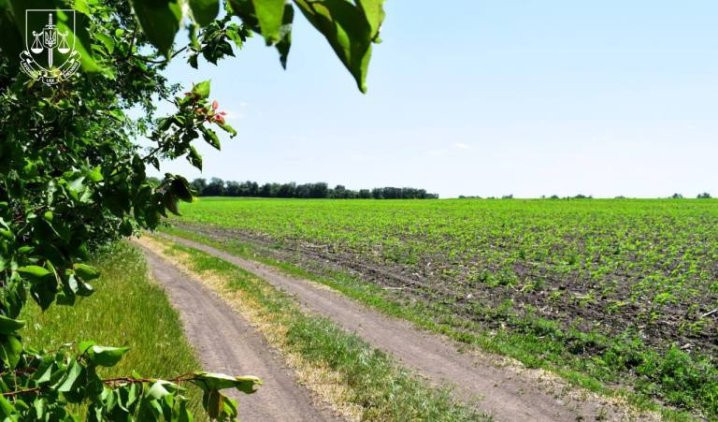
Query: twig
{"points": [[15, 393], [166, 60], [709, 313], [132, 43]]}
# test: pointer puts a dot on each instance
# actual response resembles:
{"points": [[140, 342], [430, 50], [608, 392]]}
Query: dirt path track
{"points": [[226, 343], [506, 394]]}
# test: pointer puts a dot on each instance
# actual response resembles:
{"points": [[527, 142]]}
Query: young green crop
{"points": [[583, 278]]}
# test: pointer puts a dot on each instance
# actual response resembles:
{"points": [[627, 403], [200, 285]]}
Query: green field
{"points": [[603, 291]]}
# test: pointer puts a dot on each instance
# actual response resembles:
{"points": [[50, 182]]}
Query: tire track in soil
{"points": [[506, 394], [225, 342]]}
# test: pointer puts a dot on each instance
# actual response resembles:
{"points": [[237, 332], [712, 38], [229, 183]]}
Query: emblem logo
{"points": [[49, 54]]}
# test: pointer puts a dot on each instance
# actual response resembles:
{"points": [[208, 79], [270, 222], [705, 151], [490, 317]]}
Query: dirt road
{"points": [[226, 343], [507, 394]]}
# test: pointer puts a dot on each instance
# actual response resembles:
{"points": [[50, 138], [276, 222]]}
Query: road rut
{"points": [[227, 343], [506, 394]]}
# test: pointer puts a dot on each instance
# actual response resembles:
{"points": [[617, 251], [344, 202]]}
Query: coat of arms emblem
{"points": [[49, 54]]}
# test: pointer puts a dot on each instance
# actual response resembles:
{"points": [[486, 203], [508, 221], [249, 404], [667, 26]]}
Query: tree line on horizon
{"points": [[320, 190], [704, 195]]}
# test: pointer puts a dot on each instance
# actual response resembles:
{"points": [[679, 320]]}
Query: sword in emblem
{"points": [[50, 38]]}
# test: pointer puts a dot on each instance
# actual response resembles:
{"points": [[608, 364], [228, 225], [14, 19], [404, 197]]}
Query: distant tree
{"points": [[704, 195], [319, 190], [303, 191], [510, 196], [215, 187], [339, 192], [677, 196], [392, 193], [253, 189], [198, 185], [245, 189], [365, 194], [265, 191], [274, 190], [554, 197], [232, 189], [287, 190]]}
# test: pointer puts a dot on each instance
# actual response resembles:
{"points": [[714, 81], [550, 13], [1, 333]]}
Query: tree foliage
{"points": [[73, 177], [218, 187]]}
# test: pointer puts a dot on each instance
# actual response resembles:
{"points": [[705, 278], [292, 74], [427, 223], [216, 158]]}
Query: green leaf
{"points": [[180, 187], [157, 390], [212, 403], [85, 345], [169, 200], [44, 292], [95, 174], [270, 15], [44, 372], [81, 37], [202, 89], [73, 373], [245, 10], [229, 407], [214, 381], [105, 356], [193, 40], [374, 12], [10, 350], [211, 137], [6, 408], [204, 11], [184, 415], [87, 272], [107, 41], [33, 272], [219, 406], [348, 29], [227, 128], [285, 43], [9, 325], [160, 21], [194, 157], [11, 41]]}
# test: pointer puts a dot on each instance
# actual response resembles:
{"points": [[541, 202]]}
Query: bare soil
{"points": [[227, 343], [504, 390]]}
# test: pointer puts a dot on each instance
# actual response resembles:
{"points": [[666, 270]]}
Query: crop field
{"points": [[618, 292]]}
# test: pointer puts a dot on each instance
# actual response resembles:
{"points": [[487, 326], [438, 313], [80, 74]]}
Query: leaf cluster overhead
{"points": [[72, 175]]}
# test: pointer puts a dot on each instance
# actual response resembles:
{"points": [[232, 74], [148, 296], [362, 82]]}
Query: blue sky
{"points": [[485, 98]]}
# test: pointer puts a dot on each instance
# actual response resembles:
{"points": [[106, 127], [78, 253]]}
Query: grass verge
{"points": [[674, 376], [127, 309], [362, 383]]}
